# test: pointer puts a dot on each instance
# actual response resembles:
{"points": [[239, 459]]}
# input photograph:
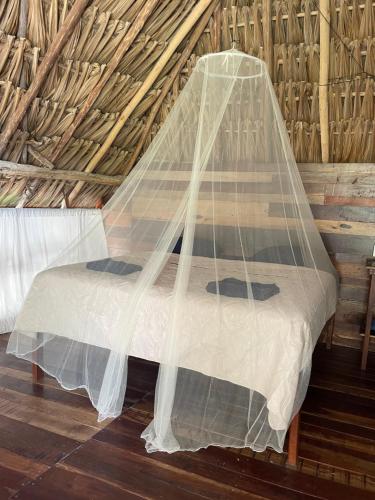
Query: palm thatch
{"points": [[102, 68]]}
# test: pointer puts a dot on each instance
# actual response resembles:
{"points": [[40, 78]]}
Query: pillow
{"points": [[113, 266], [232, 287]]}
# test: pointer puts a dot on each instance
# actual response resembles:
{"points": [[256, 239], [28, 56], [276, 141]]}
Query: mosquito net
{"points": [[214, 268]]}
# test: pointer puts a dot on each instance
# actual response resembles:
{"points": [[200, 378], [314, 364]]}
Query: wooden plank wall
{"points": [[342, 199]]}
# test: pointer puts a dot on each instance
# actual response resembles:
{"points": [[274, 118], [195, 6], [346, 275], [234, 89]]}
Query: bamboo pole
{"points": [[169, 82], [267, 35], [324, 20], [21, 33], [216, 44], [122, 49], [182, 32], [48, 61], [9, 168]]}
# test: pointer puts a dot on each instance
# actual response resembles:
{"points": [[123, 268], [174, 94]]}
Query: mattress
{"points": [[261, 345]]}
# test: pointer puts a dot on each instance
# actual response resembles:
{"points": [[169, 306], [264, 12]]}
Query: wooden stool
{"points": [[370, 307]]}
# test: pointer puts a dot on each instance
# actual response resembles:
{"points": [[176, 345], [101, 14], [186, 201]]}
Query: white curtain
{"points": [[30, 239]]}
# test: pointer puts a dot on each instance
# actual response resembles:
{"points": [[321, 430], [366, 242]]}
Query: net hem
{"points": [[100, 418], [153, 449]]}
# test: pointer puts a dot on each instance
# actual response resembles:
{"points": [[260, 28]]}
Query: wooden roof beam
{"points": [[8, 168], [122, 49], [179, 36], [169, 82], [43, 70]]}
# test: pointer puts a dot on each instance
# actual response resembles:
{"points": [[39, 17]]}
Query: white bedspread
{"points": [[274, 339]]}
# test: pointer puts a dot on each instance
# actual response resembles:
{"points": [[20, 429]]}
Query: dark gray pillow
{"points": [[113, 266], [232, 287]]}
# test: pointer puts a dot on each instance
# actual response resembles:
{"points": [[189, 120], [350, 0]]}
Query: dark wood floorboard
{"points": [[52, 447]]}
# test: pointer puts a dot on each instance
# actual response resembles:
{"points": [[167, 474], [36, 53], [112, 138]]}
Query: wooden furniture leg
{"points": [[329, 334], [293, 441], [371, 303], [37, 373]]}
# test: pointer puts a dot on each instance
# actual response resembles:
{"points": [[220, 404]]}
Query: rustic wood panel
{"points": [[342, 200], [348, 205]]}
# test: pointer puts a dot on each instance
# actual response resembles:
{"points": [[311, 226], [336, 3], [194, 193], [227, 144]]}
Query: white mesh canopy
{"points": [[215, 269]]}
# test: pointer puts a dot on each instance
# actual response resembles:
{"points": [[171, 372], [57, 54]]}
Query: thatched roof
{"points": [[76, 166]]}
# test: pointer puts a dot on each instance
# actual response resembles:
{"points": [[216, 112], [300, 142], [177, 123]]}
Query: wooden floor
{"points": [[51, 446]]}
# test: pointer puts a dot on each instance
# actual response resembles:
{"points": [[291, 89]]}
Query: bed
{"points": [[288, 324]]}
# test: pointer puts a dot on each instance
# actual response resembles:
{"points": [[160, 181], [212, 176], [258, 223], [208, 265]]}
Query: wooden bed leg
{"points": [[37, 373], [329, 334], [293, 441]]}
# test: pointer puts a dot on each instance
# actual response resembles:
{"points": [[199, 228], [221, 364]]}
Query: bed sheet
{"points": [[262, 345]]}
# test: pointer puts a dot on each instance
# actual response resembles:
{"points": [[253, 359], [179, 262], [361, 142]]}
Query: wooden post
{"points": [[36, 373], [329, 333], [216, 44], [168, 84], [21, 33], [371, 303], [324, 18], [267, 35], [129, 38], [99, 203], [43, 70], [293, 441], [180, 35]]}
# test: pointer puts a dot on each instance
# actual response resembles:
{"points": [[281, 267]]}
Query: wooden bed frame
{"points": [[293, 437]]}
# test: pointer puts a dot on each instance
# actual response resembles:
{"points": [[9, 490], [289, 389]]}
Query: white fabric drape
{"points": [[31, 239], [233, 320]]}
